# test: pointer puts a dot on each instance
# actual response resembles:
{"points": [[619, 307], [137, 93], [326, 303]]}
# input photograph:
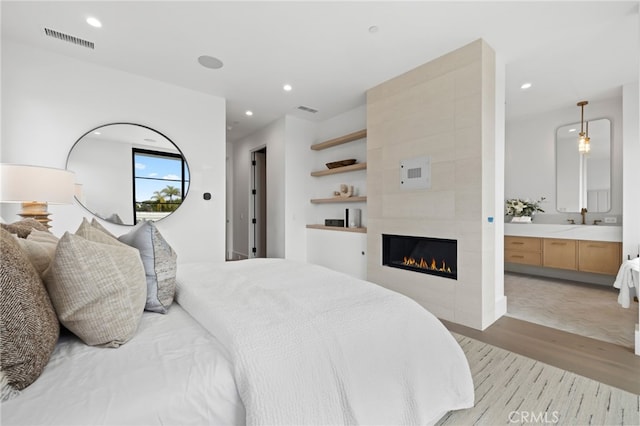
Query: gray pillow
{"points": [[98, 289], [29, 328], [160, 265]]}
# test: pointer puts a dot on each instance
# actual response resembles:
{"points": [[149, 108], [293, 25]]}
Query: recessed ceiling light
{"points": [[572, 130], [287, 87], [94, 22], [96, 133], [525, 86], [149, 140], [210, 62], [248, 112]]}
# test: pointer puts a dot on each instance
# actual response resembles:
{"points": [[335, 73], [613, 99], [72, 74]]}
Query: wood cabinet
{"points": [[559, 253], [524, 250], [601, 257]]}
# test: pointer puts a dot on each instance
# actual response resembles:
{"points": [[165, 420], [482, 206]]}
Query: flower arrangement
{"points": [[519, 207]]}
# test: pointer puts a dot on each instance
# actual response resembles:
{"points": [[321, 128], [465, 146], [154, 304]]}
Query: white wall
{"points": [[299, 136], [530, 165], [50, 100]]}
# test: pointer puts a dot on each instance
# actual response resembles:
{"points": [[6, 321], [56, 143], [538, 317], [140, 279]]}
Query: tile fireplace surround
{"points": [[445, 110]]}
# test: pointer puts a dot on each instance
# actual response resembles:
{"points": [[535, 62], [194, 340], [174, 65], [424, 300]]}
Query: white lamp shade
{"points": [[23, 183]]}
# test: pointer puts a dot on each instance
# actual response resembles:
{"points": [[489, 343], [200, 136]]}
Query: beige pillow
{"points": [[97, 225], [39, 246], [23, 227], [30, 328], [96, 234], [98, 290]]}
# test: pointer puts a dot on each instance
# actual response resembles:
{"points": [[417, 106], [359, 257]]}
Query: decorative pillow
{"points": [[39, 246], [160, 265], [97, 225], [94, 233], [97, 289], [29, 328], [22, 228]]}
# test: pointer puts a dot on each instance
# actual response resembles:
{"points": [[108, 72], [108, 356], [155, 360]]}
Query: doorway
{"points": [[258, 233]]}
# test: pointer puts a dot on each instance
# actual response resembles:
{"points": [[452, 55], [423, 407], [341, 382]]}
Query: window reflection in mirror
{"points": [[128, 173], [583, 180]]}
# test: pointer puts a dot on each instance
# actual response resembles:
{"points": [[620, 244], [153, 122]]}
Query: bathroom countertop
{"points": [[571, 232]]}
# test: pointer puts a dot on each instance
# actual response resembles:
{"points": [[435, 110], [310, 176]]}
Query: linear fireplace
{"points": [[435, 256]]}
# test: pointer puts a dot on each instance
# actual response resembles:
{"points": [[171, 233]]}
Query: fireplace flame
{"points": [[423, 264]]}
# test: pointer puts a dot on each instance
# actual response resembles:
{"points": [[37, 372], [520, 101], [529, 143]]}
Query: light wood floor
{"points": [[605, 362]]}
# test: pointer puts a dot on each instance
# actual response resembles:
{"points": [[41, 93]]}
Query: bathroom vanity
{"points": [[560, 250]]}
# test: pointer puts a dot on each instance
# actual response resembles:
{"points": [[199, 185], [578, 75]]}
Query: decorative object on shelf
{"points": [[352, 218], [34, 187], [334, 222], [522, 210], [341, 163], [346, 191], [584, 143]]}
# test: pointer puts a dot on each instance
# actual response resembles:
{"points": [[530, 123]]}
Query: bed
{"points": [[260, 341]]}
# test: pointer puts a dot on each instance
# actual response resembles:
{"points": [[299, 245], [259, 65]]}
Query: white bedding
{"points": [[313, 346], [173, 372]]}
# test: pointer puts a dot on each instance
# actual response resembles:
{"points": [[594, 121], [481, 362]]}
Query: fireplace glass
{"points": [[434, 256]]}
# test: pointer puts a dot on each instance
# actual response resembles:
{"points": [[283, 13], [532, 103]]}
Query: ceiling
{"points": [[569, 51]]}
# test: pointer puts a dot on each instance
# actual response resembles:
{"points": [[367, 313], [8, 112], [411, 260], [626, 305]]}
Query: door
{"points": [[259, 192]]}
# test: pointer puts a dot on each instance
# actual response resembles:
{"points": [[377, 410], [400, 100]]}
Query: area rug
{"points": [[513, 389]]}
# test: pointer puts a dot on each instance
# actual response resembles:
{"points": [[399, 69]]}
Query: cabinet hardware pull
{"points": [[558, 244], [517, 242], [594, 246], [517, 256]]}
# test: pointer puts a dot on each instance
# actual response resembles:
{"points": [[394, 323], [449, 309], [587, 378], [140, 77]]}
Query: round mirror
{"points": [[127, 173]]}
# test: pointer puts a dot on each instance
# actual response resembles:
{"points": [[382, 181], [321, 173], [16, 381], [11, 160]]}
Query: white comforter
{"points": [[313, 346], [172, 372]]}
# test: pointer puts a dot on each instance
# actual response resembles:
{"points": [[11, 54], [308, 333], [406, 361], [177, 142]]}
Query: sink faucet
{"points": [[583, 212], [597, 221], [571, 221]]}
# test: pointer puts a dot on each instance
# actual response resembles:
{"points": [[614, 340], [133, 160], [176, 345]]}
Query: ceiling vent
{"points": [[307, 109], [69, 38]]}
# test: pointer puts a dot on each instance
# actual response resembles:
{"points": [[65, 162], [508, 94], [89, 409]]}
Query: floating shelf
{"points": [[338, 228], [338, 200], [360, 134], [357, 166]]}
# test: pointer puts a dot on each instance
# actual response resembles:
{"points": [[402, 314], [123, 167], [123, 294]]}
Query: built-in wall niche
{"points": [[434, 256]]}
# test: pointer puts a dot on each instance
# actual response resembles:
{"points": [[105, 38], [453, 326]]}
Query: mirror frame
{"points": [[178, 152]]}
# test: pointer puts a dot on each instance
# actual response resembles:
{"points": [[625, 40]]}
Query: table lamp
{"points": [[35, 187]]}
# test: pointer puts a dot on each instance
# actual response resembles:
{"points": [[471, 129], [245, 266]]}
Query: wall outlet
{"points": [[610, 220]]}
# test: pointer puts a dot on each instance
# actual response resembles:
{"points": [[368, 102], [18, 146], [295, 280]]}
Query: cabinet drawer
{"points": [[559, 253], [523, 257], [600, 257], [522, 243]]}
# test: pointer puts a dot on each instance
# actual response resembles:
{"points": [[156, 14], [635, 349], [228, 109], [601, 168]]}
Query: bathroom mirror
{"points": [[127, 173], [583, 180]]}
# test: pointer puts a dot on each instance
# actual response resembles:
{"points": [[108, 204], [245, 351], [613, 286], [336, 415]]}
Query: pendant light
{"points": [[584, 145]]}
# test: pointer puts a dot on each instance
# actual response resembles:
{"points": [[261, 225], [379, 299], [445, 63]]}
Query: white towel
{"points": [[626, 280]]}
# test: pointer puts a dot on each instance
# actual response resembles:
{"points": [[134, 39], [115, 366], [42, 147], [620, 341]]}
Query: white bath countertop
{"points": [[570, 232]]}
